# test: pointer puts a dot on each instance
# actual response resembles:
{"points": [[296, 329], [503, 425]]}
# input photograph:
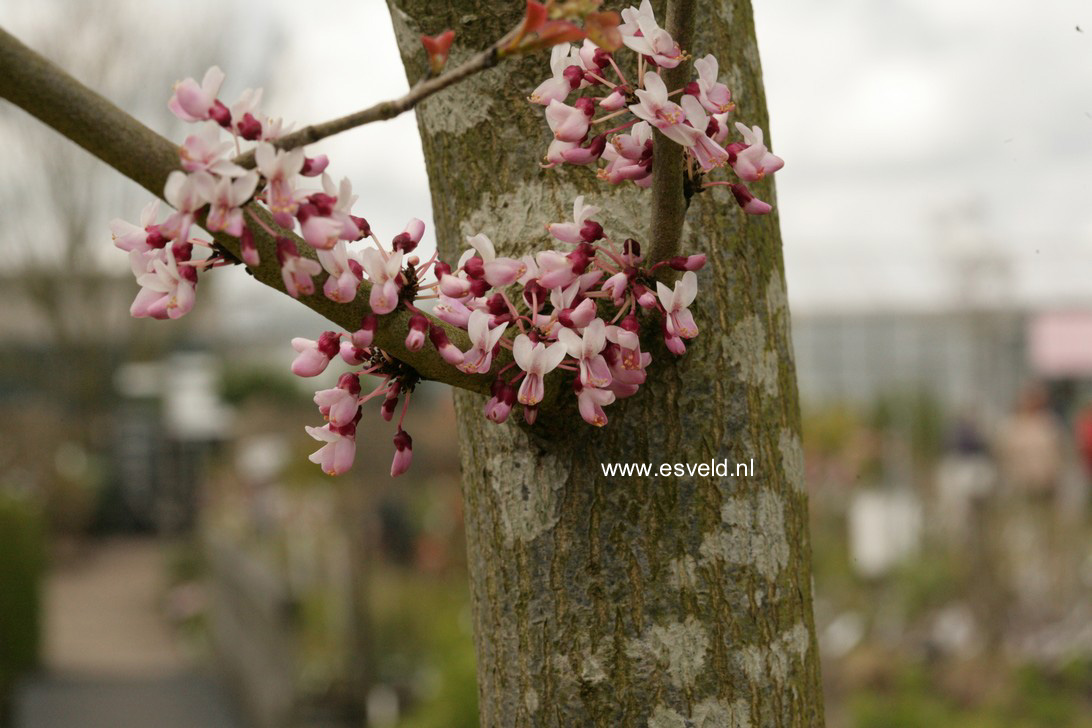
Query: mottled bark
{"points": [[678, 601]]}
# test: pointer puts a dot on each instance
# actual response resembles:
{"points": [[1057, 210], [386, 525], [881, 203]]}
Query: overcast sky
{"points": [[913, 131]]}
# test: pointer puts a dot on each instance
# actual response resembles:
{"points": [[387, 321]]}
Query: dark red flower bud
{"points": [[361, 225], [188, 272], [182, 250], [404, 243], [591, 231], [496, 305], [474, 267], [220, 114], [534, 290], [329, 344], [574, 75], [155, 238], [249, 128], [306, 211], [350, 382], [478, 287], [386, 410], [323, 202], [733, 150], [286, 249]]}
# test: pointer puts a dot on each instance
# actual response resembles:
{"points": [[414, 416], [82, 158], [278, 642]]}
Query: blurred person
{"points": [[1030, 448], [1031, 454], [966, 475]]}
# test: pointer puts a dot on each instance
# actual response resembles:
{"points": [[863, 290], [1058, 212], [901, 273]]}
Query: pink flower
{"points": [[626, 360], [555, 153], [613, 101], [483, 340], [363, 336], [313, 356], [130, 237], [677, 317], [590, 402], [167, 289], [296, 271], [384, 271], [714, 96], [500, 404], [352, 355], [586, 155], [537, 360], [407, 240], [244, 121], [756, 161], [497, 271], [280, 169], [343, 282], [554, 268], [750, 204], [403, 453], [587, 350], [557, 87], [664, 114], [452, 311], [569, 123], [193, 102], [204, 151], [336, 456], [574, 232], [339, 404], [708, 153], [187, 193], [418, 328], [629, 156], [640, 33], [227, 198], [579, 316], [448, 351], [320, 232]]}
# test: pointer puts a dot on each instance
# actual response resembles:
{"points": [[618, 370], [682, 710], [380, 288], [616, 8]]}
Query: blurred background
{"points": [[169, 557]]}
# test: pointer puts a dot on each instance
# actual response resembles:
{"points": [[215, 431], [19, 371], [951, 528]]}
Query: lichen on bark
{"points": [[629, 601]]}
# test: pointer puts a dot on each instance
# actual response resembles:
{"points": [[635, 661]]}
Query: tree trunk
{"points": [[629, 601]]}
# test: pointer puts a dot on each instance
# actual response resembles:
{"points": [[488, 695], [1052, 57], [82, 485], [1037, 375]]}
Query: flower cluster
{"points": [[577, 308], [697, 120], [212, 193], [576, 311]]}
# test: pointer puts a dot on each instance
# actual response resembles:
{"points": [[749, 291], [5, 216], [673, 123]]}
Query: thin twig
{"points": [[384, 109], [668, 201]]}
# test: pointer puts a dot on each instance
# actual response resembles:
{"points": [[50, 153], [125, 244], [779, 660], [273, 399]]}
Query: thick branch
{"points": [[57, 99], [668, 202], [385, 109]]}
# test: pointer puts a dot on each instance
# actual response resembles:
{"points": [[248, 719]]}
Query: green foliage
{"points": [[1028, 697], [22, 561], [240, 384], [423, 641]]}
